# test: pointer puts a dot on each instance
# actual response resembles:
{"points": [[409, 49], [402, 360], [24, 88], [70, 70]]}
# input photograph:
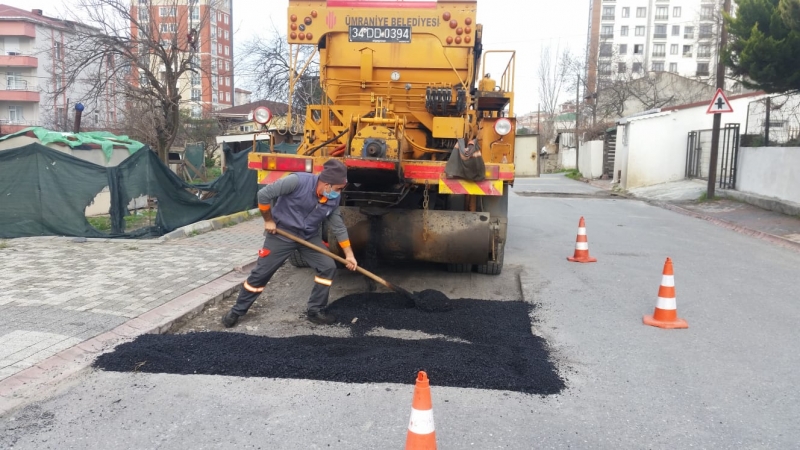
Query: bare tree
{"points": [[116, 43], [269, 66], [552, 77]]}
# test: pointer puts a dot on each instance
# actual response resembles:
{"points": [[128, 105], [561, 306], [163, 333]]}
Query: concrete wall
{"points": [[591, 159], [769, 172], [651, 149], [566, 158], [526, 157]]}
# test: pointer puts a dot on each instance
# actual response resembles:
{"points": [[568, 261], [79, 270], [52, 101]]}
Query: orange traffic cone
{"points": [[421, 433], [581, 246], [666, 313]]}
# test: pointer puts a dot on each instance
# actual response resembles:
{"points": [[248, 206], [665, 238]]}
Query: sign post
{"points": [[719, 105]]}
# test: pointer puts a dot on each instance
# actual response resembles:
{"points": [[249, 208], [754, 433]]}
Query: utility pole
{"points": [[723, 42], [766, 123], [539, 138], [577, 117]]}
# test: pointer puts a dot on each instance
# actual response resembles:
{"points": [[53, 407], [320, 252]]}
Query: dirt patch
{"points": [[478, 344]]}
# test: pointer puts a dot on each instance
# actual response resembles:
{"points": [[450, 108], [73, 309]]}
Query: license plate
{"points": [[380, 34]]}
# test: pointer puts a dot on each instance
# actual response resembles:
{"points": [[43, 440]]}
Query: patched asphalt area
{"points": [[465, 343]]}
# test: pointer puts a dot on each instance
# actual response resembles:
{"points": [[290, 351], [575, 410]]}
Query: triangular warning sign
{"points": [[719, 104]]}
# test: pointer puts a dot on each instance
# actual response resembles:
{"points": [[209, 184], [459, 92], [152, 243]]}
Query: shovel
{"points": [[364, 272]]}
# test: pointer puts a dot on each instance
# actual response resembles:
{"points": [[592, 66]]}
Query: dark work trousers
{"points": [[279, 251]]}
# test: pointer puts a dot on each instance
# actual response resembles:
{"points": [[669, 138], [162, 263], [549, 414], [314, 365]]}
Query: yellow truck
{"points": [[428, 139]]}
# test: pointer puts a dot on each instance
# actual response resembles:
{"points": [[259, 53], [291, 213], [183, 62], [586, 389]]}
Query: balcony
{"points": [[18, 61], [702, 73], [16, 90], [659, 54], [660, 35], [10, 127], [662, 16], [608, 17]]}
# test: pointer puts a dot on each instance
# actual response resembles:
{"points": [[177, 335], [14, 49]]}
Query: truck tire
{"points": [[297, 259], [459, 268], [493, 267]]}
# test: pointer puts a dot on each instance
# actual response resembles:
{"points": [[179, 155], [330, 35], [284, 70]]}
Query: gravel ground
{"points": [[496, 352]]}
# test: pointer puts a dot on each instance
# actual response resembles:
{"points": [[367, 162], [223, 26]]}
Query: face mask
{"points": [[330, 194]]}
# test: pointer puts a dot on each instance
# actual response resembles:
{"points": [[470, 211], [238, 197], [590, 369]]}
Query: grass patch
{"points": [[3, 244], [704, 198], [138, 219], [573, 174]]}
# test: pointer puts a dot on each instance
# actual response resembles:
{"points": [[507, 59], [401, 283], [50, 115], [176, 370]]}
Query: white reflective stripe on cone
{"points": [[666, 303], [323, 281], [581, 231], [581, 246], [421, 422], [668, 280]]}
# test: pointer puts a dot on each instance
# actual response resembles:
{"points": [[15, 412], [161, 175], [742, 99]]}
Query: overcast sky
{"points": [[560, 23]]}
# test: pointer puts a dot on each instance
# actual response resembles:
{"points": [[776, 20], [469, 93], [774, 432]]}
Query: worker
{"points": [[298, 204]]}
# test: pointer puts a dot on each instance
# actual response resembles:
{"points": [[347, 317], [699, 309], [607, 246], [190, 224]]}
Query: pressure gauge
{"points": [[395, 75]]}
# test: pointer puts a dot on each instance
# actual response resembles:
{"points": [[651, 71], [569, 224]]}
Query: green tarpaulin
{"points": [[44, 192]]}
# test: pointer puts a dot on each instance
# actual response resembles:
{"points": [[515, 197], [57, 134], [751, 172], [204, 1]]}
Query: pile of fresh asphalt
{"points": [[486, 345]]}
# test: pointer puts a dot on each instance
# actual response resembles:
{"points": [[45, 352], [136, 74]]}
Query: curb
{"points": [[780, 241], [205, 226], [34, 382]]}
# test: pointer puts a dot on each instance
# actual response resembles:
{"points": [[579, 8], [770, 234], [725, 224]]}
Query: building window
{"points": [[167, 12], [608, 13], [658, 66], [623, 31], [14, 81], [641, 12], [673, 49], [213, 50], [605, 49], [15, 113], [661, 32], [227, 35], [195, 95], [605, 69], [638, 49], [659, 50], [227, 96], [196, 111], [623, 49], [195, 79], [676, 30], [213, 31], [639, 31], [637, 67], [607, 31], [57, 50], [673, 67], [58, 84], [227, 81], [688, 33], [702, 69], [626, 12], [227, 65], [676, 11], [662, 12], [707, 12], [227, 50], [168, 27], [225, 18], [143, 80], [213, 65], [703, 51], [195, 13], [687, 51], [215, 81], [214, 97], [622, 67], [705, 31]]}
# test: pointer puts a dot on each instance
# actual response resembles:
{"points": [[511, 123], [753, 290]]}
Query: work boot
{"points": [[321, 317], [230, 319]]}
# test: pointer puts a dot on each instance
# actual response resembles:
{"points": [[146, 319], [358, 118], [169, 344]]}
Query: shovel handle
{"points": [[334, 256]]}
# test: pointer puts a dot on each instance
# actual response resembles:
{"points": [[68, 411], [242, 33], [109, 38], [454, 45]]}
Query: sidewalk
{"points": [[63, 300], [725, 210]]}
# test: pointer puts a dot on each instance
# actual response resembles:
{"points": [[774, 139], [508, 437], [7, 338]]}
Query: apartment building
{"points": [[32, 60], [210, 88], [629, 38]]}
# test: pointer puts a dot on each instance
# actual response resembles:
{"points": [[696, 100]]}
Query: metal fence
{"points": [[773, 122]]}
